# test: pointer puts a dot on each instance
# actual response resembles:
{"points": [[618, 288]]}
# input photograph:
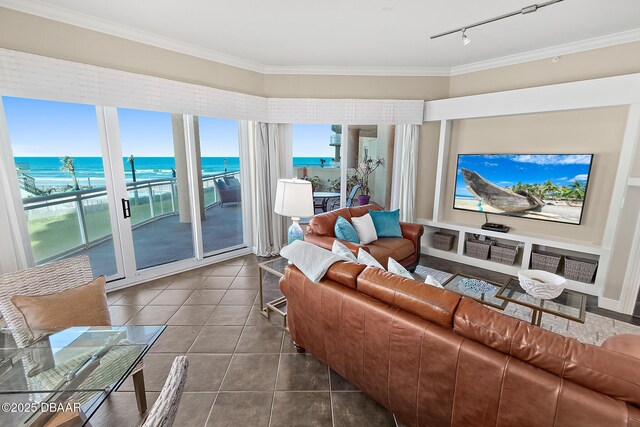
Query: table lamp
{"points": [[294, 198]]}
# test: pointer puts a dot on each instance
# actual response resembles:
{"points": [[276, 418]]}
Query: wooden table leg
{"points": [[138, 386]]}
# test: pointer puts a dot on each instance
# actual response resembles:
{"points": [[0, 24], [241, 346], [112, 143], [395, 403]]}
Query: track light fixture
{"points": [[524, 11], [465, 39]]}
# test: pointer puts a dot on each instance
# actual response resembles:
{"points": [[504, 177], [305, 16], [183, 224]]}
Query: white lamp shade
{"points": [[294, 198]]}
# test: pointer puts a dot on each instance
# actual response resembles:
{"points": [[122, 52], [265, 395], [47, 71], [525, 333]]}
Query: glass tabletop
{"points": [[275, 266], [79, 364], [478, 289], [569, 305]]}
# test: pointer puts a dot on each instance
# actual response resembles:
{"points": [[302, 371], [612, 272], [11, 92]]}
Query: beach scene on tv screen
{"points": [[549, 187]]}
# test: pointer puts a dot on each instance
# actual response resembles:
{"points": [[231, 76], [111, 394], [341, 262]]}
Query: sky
{"points": [[53, 129], [40, 128], [507, 170]]}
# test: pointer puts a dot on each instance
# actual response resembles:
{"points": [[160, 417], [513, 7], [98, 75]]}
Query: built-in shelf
{"points": [[634, 181], [526, 245]]}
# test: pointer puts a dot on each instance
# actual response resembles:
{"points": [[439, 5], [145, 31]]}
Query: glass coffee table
{"points": [[480, 290], [569, 305], [271, 299]]}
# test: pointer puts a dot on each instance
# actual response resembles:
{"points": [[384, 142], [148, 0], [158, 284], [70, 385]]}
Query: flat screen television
{"points": [[548, 187]]}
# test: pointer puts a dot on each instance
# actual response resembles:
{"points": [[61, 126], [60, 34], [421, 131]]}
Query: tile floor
{"points": [[243, 371]]}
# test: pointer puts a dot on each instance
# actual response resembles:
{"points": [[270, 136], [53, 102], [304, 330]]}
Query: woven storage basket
{"points": [[478, 248], [504, 254], [443, 241], [546, 261], [580, 269]]}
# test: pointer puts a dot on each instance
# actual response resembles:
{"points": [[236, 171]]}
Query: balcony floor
{"points": [[167, 239]]}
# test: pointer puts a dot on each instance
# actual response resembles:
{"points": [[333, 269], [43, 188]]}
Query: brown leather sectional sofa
{"points": [[435, 358], [405, 249]]}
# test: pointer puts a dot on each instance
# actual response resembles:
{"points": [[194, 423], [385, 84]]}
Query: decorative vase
{"points": [[363, 199]]}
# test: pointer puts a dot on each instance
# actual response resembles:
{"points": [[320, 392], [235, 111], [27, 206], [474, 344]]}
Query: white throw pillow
{"points": [[365, 228], [312, 260], [433, 282], [341, 250], [395, 267], [365, 258]]}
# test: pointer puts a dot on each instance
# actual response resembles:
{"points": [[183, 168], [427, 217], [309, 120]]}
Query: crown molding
{"points": [[549, 52], [56, 13]]}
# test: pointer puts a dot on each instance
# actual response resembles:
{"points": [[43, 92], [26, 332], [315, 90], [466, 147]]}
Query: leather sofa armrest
{"points": [[628, 344], [326, 242], [412, 232]]}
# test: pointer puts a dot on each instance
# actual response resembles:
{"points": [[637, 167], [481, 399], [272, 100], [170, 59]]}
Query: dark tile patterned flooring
{"points": [[244, 370]]}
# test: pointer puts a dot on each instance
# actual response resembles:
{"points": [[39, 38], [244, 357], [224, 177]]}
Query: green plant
{"points": [[364, 169], [334, 184], [68, 165], [316, 182]]}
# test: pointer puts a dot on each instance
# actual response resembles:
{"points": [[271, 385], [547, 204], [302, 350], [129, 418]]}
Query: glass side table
{"points": [[271, 299]]}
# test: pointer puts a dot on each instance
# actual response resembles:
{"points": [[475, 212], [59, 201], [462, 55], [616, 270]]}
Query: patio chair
{"points": [[163, 412], [227, 193], [48, 279], [336, 203]]}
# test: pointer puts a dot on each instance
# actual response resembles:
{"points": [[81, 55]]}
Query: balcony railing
{"points": [[63, 223]]}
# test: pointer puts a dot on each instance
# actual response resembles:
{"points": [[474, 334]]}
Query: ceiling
{"points": [[353, 36]]}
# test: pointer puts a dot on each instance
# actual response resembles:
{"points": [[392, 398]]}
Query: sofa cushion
{"points": [[363, 210], [599, 369], [323, 224], [365, 229], [379, 253], [400, 248], [345, 231], [345, 272], [387, 223], [365, 258], [341, 250], [430, 303], [395, 267]]}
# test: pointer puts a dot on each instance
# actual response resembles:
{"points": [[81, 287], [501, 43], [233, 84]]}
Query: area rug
{"points": [[594, 330]]}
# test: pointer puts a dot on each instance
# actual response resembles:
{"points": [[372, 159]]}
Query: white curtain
{"points": [[405, 171], [12, 254], [272, 160]]}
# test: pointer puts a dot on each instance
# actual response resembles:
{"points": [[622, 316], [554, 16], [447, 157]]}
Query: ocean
{"points": [[46, 170]]}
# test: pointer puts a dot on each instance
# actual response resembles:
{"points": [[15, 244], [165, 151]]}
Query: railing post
{"points": [[81, 221], [173, 196], [151, 207]]}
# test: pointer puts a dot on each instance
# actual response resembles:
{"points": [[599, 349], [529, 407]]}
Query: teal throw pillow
{"points": [[345, 231], [387, 223]]}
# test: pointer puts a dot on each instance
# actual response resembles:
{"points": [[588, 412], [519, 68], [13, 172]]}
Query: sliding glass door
{"points": [[154, 155], [59, 164]]}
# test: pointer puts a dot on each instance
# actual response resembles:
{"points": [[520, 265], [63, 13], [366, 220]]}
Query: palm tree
{"points": [[68, 166]]}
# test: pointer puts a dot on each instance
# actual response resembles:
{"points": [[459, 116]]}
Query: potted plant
{"points": [[316, 183], [364, 169]]}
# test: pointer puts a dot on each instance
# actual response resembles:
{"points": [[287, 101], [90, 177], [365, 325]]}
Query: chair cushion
{"points": [[387, 223], [82, 306], [345, 231], [365, 229], [221, 184], [399, 247]]}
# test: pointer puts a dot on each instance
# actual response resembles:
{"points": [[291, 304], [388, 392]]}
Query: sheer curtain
{"points": [[405, 171], [272, 160]]}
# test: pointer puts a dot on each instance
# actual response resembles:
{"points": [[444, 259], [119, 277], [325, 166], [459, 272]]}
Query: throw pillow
{"points": [[365, 258], [387, 223], [433, 282], [312, 260], [365, 229], [345, 231], [82, 306], [395, 267], [341, 250]]}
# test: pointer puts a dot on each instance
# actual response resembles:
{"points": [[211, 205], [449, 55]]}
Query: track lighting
{"points": [[465, 39], [524, 11]]}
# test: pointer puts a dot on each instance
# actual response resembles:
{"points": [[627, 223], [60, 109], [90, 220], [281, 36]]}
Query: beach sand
{"points": [[558, 211]]}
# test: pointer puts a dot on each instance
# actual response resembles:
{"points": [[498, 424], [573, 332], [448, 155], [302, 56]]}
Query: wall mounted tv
{"points": [[549, 187]]}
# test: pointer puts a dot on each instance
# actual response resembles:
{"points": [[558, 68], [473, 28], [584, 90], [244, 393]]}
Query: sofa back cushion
{"points": [[430, 303], [363, 210], [323, 224], [599, 369]]}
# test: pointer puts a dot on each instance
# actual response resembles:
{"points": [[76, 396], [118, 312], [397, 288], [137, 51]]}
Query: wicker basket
{"points": [[443, 241], [580, 269], [478, 248], [504, 254], [546, 261]]}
